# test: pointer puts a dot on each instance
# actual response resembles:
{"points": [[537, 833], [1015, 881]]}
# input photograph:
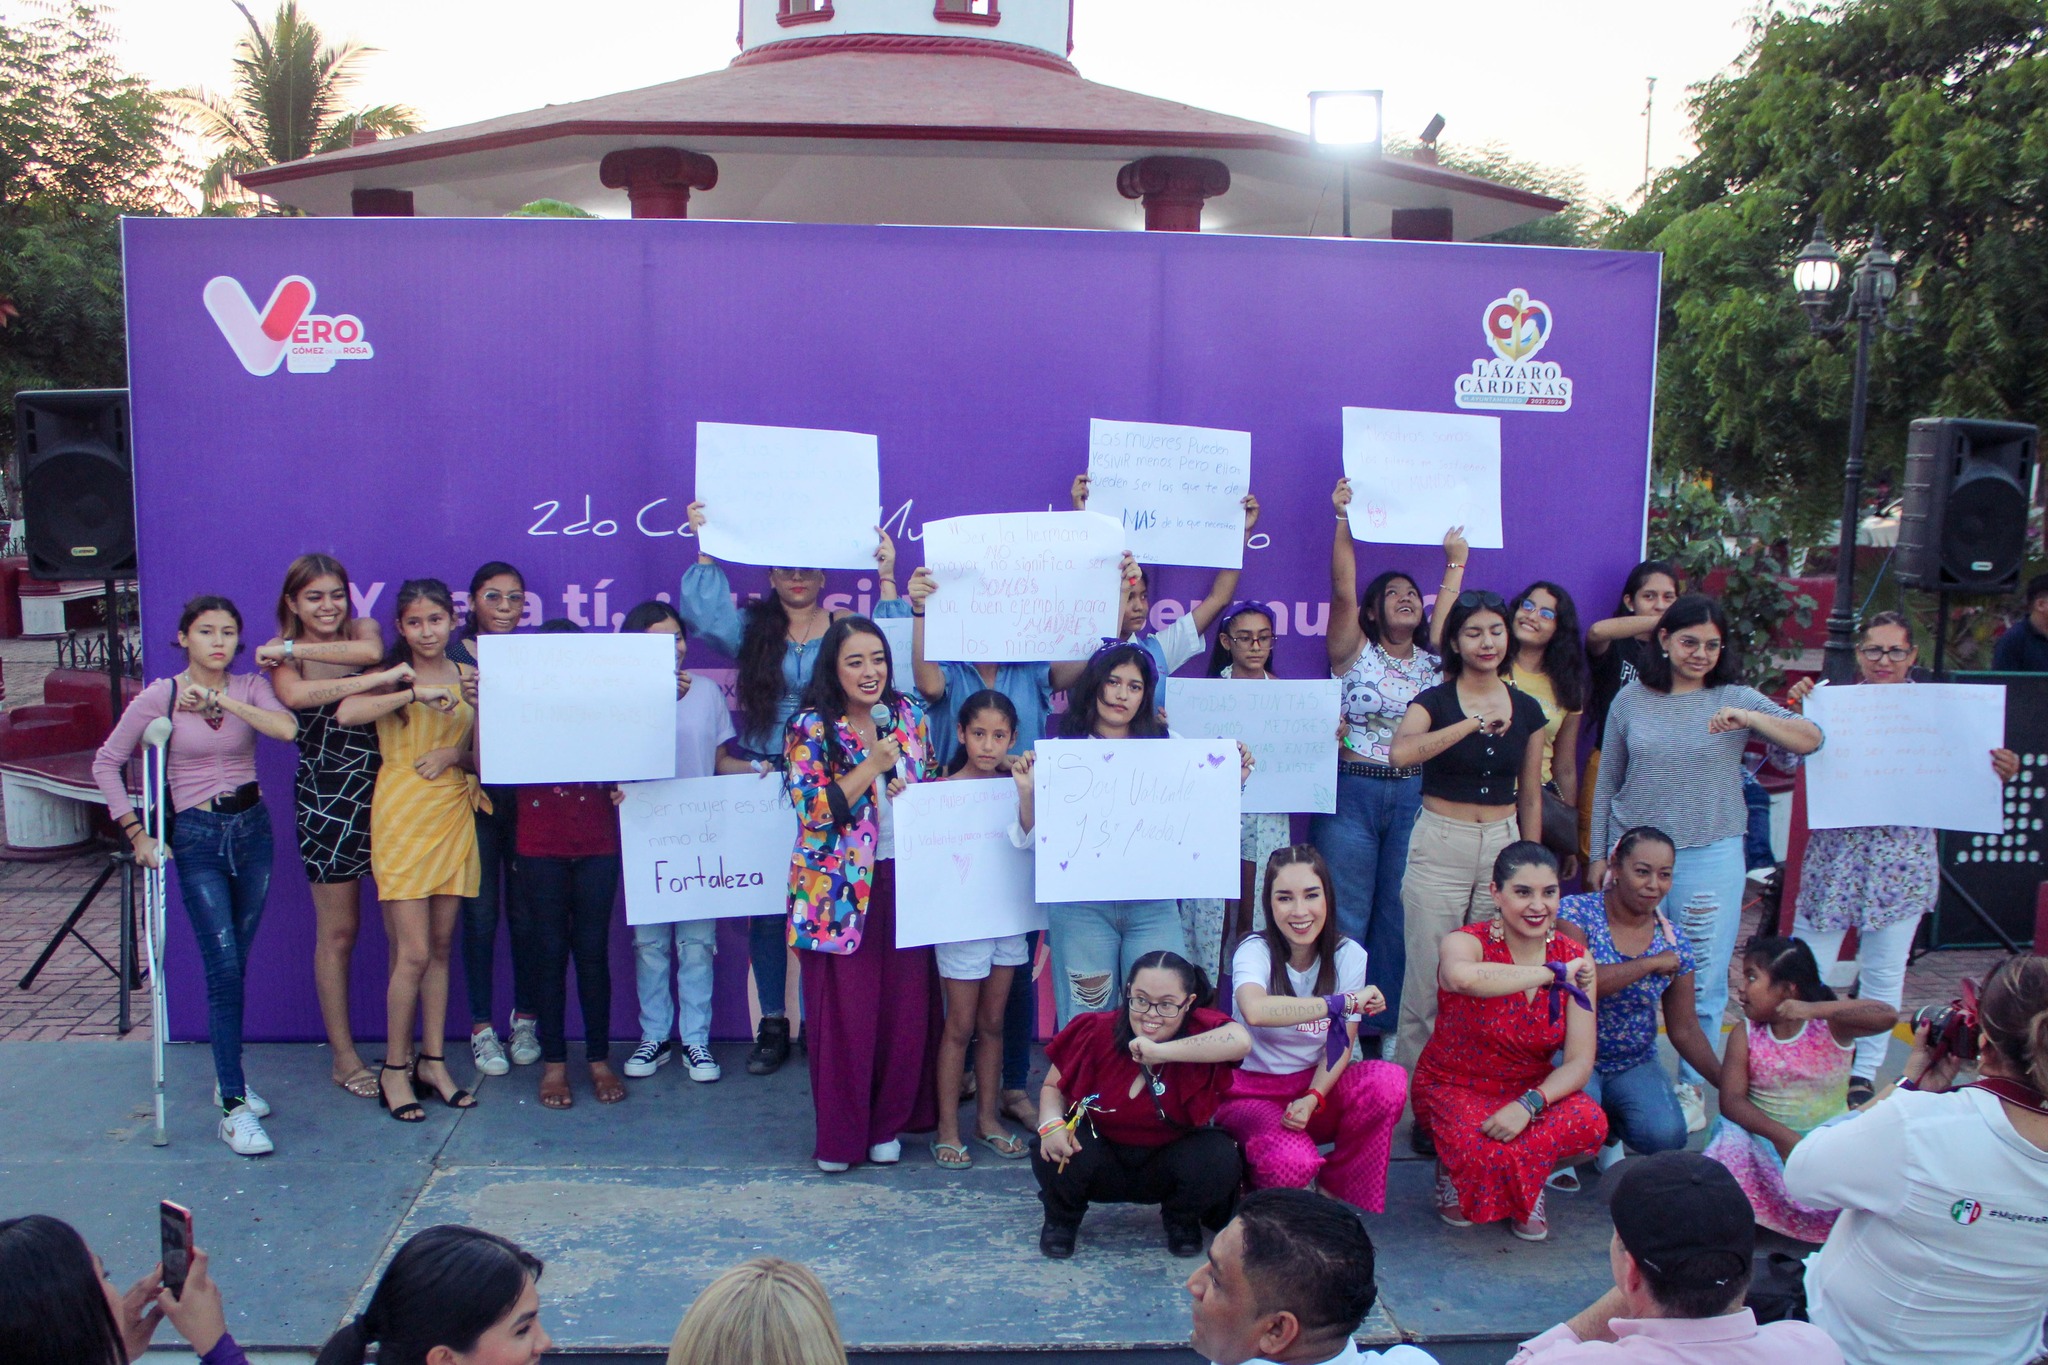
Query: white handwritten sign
{"points": [[1178, 491], [1906, 754], [1135, 819], [958, 876], [1414, 475], [1290, 727], [788, 496], [706, 848], [1018, 587], [896, 630], [576, 708]]}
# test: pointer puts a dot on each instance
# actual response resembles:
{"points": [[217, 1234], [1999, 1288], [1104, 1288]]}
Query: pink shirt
{"points": [[204, 762], [1731, 1339]]}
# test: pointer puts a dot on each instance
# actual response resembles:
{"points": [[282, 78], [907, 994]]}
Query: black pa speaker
{"points": [[1964, 525], [77, 482]]}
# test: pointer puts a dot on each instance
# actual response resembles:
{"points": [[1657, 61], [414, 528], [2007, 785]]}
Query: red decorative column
{"points": [[380, 203], [658, 180], [1174, 189]]}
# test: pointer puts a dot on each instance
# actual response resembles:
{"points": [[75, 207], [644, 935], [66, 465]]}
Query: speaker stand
{"points": [[114, 650], [1941, 645]]}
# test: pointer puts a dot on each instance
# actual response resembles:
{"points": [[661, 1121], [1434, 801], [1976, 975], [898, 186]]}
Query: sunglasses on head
{"points": [[1479, 597]]}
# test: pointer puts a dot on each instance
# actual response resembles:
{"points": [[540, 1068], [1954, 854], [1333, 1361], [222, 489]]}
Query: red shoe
{"points": [[1538, 1226], [1447, 1200]]}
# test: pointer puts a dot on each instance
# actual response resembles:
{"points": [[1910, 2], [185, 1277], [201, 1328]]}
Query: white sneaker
{"points": [[1693, 1105], [833, 1167], [703, 1066], [258, 1106], [243, 1134], [886, 1153], [488, 1052], [1610, 1156], [525, 1041], [648, 1058]]}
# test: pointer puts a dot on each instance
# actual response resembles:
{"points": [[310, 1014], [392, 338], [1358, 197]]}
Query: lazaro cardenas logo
{"points": [[287, 329], [1516, 327]]}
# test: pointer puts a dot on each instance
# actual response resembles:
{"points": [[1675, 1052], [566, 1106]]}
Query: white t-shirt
{"points": [[1295, 1047], [702, 724], [1353, 1354], [1941, 1252]]}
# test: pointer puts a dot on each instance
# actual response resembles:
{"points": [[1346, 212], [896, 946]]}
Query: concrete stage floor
{"points": [[635, 1207]]}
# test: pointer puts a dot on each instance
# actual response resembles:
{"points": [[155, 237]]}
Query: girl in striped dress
{"points": [[423, 843], [1784, 1074]]}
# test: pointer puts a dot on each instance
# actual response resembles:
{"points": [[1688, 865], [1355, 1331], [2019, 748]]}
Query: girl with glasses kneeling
{"points": [[1125, 1113]]}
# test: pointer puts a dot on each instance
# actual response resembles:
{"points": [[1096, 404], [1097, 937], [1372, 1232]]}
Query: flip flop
{"points": [[1008, 1146], [1565, 1181], [951, 1156]]}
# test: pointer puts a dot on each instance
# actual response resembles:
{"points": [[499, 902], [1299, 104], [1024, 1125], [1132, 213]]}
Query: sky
{"points": [[1561, 82]]}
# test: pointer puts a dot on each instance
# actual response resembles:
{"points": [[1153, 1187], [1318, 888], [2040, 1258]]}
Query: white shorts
{"points": [[970, 961]]}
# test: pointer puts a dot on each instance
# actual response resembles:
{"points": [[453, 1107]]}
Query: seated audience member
{"points": [[452, 1294], [766, 1311], [1786, 1072], [1127, 1109], [2023, 648], [1501, 1081], [1683, 1239], [58, 1305], [1287, 1283], [1940, 1249], [1643, 964]]}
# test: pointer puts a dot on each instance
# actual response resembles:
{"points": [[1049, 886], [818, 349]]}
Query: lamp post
{"points": [[1816, 273], [1347, 123]]}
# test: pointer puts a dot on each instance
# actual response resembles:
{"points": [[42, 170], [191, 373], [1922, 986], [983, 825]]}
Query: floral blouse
{"points": [[833, 865]]}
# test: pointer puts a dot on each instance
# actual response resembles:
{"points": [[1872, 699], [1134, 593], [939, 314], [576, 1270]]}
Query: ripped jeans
{"points": [[222, 863], [1094, 944], [1705, 904]]}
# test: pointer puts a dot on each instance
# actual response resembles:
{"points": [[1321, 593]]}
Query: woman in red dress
{"points": [[1510, 994]]}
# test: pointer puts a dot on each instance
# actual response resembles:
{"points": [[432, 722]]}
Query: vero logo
{"points": [[286, 331]]}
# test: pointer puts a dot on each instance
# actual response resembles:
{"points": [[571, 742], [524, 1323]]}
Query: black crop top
{"points": [[1480, 769]]}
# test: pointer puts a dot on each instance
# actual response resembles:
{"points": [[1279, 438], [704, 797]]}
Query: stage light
{"points": [[1345, 120]]}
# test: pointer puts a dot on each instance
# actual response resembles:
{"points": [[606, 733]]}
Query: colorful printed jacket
{"points": [[833, 865]]}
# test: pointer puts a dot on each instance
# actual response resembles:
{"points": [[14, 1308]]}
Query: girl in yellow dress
{"points": [[422, 839]]}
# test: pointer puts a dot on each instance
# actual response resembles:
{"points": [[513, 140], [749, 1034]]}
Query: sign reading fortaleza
{"points": [[706, 848]]}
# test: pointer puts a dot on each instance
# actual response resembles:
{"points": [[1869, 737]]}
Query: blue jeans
{"points": [[768, 950], [1705, 904], [1094, 944], [1756, 838], [571, 902], [1020, 1020], [223, 865], [1365, 842], [496, 840], [693, 941], [1642, 1107]]}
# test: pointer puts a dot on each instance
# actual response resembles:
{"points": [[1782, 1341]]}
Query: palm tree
{"points": [[288, 92]]}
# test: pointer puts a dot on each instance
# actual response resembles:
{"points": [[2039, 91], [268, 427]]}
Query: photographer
{"points": [[1941, 1247], [59, 1306]]}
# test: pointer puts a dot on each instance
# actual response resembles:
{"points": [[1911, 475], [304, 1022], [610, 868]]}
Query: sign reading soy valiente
{"points": [[706, 847]]}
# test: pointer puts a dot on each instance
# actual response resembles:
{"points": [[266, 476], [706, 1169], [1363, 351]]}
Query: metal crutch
{"points": [[156, 738]]}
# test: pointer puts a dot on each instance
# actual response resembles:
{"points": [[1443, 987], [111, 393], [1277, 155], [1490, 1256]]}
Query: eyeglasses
{"points": [[1693, 645], [1158, 1009], [1547, 613], [1244, 637], [1886, 654], [505, 599], [1479, 597]]}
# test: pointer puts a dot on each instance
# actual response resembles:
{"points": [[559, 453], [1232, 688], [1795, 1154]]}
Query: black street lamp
{"points": [[1872, 285]]}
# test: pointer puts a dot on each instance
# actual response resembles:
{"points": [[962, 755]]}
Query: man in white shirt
{"points": [[1287, 1283], [1684, 1236]]}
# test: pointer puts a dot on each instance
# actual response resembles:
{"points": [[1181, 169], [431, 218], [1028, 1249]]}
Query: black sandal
{"points": [[410, 1112], [461, 1099]]}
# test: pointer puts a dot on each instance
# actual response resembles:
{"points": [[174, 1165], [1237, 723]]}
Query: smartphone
{"points": [[175, 1221]]}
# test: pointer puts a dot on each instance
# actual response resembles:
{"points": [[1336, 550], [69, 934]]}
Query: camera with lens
{"points": [[1951, 1028]]}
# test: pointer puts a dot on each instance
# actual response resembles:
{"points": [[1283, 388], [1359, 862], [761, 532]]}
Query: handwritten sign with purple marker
{"points": [[706, 848], [1135, 819], [958, 876]]}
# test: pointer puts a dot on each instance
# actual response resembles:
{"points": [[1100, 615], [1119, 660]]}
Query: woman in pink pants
{"points": [[1300, 1088]]}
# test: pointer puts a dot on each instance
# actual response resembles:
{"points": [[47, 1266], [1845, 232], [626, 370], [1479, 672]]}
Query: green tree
{"points": [[290, 89], [1925, 118], [80, 144]]}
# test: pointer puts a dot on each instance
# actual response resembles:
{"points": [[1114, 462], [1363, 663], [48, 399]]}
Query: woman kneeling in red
{"points": [[1510, 994]]}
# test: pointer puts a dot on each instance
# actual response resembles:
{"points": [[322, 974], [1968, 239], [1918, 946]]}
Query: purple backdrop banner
{"points": [[418, 396]]}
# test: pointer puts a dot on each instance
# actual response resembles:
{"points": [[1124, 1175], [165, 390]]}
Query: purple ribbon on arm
{"points": [[1564, 986], [1338, 1042]]}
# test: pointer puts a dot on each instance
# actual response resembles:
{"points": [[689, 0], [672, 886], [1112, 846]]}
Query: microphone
{"points": [[157, 733], [885, 724]]}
